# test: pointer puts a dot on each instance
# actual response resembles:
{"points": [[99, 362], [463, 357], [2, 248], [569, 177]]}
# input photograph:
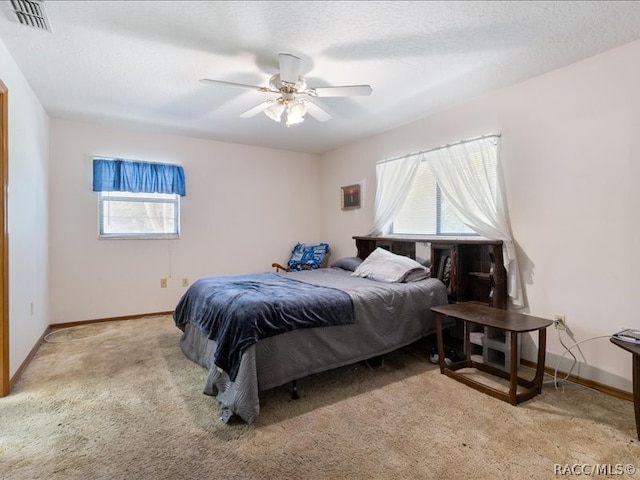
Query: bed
{"points": [[361, 315]]}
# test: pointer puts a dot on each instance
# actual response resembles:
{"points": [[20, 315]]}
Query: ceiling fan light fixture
{"points": [[294, 93], [296, 110], [275, 111]]}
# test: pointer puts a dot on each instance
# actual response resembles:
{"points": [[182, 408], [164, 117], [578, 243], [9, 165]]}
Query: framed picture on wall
{"points": [[350, 196]]}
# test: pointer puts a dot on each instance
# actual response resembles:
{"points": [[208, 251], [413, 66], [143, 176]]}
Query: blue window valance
{"points": [[115, 175]]}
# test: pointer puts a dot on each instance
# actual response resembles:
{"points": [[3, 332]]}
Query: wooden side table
{"points": [[508, 321], [634, 349]]}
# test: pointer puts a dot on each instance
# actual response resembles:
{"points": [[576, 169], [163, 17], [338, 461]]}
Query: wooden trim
{"points": [[57, 326], [600, 387], [5, 384], [32, 353]]}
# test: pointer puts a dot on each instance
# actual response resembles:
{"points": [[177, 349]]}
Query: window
{"points": [[410, 199], [138, 199], [139, 215], [427, 212]]}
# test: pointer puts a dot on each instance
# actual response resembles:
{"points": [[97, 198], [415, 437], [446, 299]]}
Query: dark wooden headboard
{"points": [[403, 246], [475, 270]]}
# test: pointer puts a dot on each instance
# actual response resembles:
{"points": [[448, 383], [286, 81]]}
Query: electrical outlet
{"points": [[559, 322], [163, 283], [185, 282]]}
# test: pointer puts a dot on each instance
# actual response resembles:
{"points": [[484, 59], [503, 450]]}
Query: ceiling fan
{"points": [[294, 94]]}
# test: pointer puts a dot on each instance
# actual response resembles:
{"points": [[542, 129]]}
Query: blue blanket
{"points": [[239, 310]]}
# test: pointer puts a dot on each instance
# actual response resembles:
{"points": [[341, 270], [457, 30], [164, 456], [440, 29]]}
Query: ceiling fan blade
{"points": [[316, 112], [346, 91], [257, 109], [233, 84], [289, 67]]}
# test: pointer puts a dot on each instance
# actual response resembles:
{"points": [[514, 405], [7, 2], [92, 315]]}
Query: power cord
{"points": [[575, 359], [47, 338]]}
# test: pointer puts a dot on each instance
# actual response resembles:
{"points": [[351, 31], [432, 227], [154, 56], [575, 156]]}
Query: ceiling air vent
{"points": [[31, 13]]}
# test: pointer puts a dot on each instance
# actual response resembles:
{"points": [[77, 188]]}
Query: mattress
{"points": [[388, 316]]}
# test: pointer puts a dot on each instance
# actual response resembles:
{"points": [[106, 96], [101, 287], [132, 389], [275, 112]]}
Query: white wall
{"points": [[570, 144], [245, 208], [27, 213], [569, 151]]}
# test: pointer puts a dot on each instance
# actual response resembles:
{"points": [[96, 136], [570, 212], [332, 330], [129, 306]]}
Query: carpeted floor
{"points": [[120, 401]]}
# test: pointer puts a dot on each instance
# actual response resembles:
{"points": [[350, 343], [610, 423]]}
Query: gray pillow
{"points": [[425, 262], [347, 263]]}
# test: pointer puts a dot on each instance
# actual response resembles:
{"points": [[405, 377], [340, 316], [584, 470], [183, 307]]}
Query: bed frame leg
{"points": [[294, 390], [374, 363]]}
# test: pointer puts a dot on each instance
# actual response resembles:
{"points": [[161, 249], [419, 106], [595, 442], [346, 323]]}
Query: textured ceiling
{"points": [[138, 63]]}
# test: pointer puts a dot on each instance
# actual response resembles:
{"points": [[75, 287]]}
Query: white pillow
{"points": [[417, 274], [385, 266]]}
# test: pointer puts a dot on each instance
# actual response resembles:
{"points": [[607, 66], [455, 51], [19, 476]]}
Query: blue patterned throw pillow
{"points": [[309, 255]]}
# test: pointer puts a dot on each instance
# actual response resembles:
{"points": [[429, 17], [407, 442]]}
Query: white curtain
{"points": [[394, 178], [479, 204]]}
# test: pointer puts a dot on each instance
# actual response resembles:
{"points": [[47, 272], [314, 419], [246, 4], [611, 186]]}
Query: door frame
{"points": [[5, 384]]}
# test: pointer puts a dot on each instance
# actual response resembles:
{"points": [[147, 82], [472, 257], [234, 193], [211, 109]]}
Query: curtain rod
{"points": [[440, 147]]}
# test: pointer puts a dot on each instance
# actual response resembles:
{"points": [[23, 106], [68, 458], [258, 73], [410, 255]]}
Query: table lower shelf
{"points": [[528, 390]]}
